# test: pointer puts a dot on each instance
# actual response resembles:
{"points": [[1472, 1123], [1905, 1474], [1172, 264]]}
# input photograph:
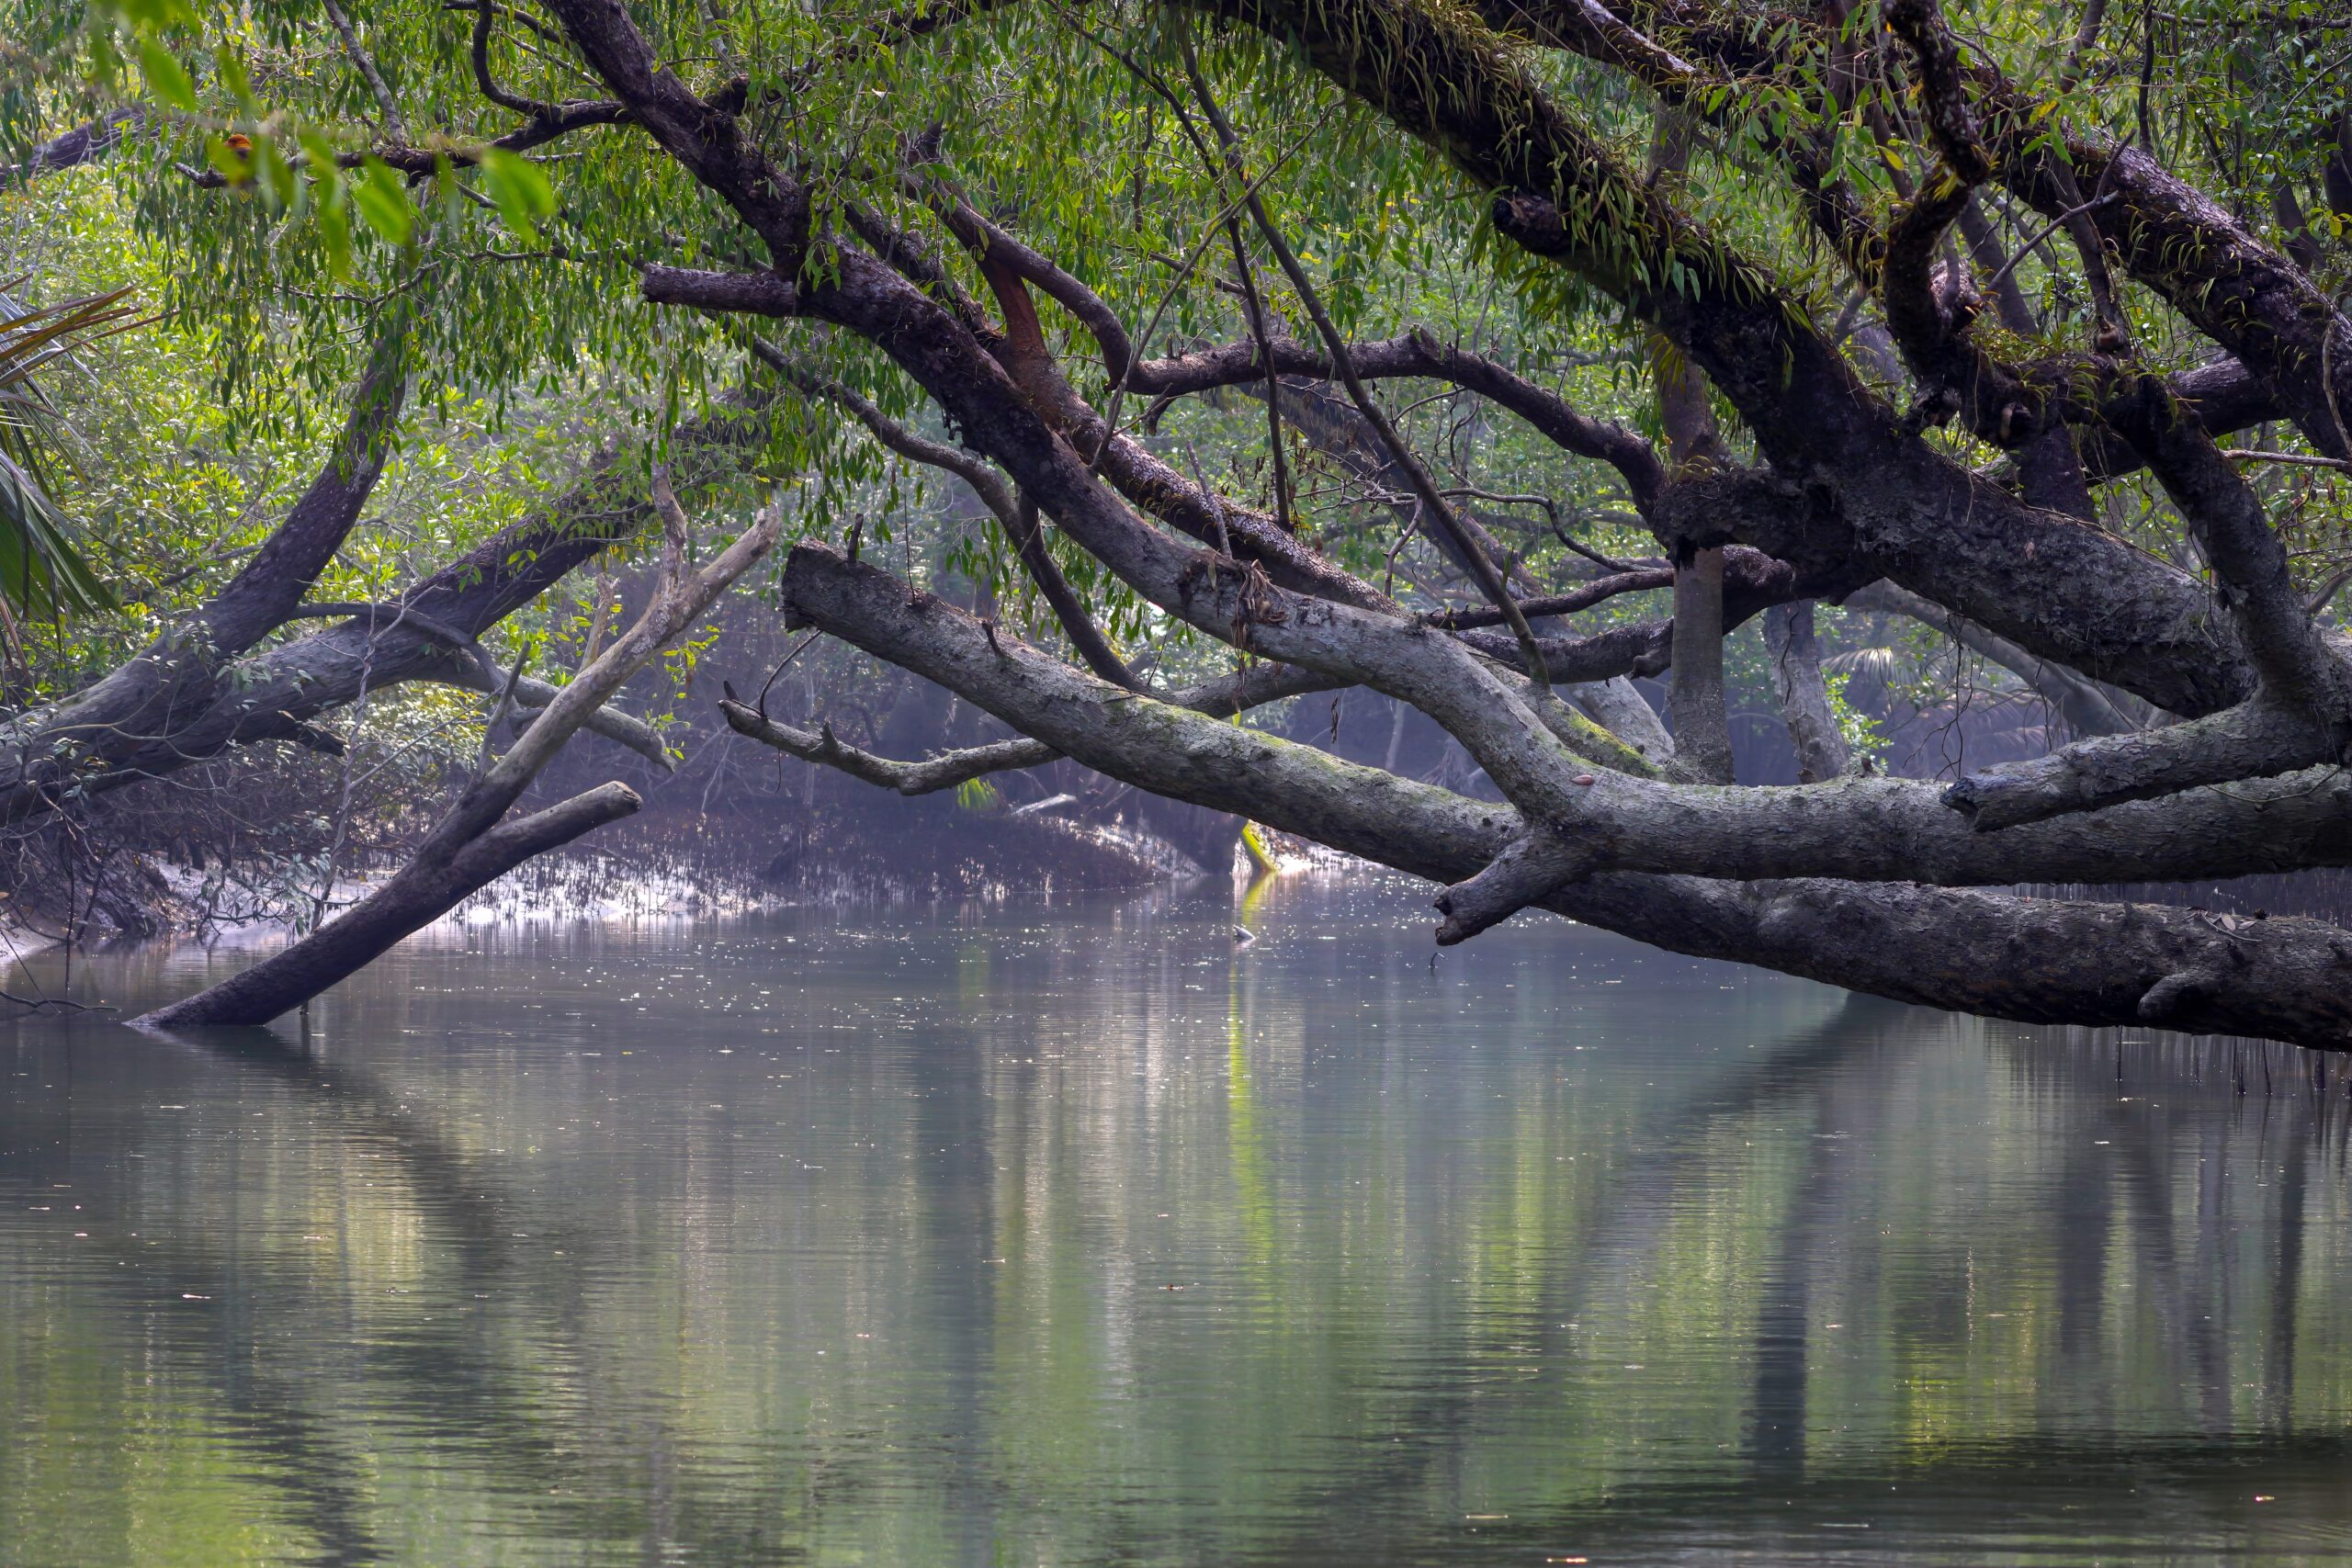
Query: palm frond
{"points": [[43, 573]]}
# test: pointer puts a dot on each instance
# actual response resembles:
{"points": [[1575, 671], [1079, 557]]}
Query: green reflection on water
{"points": [[1073, 1235]]}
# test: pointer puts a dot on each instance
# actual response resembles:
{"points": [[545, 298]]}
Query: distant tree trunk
{"points": [[1695, 683], [1795, 654], [1701, 726]]}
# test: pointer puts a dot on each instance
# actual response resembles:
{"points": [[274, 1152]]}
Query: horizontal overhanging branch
{"points": [[2257, 741], [926, 777], [1222, 698], [1417, 353], [737, 293], [1860, 828]]}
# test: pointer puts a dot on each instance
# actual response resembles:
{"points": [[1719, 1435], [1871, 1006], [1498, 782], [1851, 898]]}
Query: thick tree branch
{"points": [[2242, 293], [2257, 741], [1857, 829], [998, 247], [1419, 354], [69, 748], [84, 144], [704, 137], [1527, 870], [735, 293], [2293, 661]]}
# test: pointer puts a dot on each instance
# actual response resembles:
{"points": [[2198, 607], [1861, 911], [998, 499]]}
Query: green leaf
{"points": [[520, 189], [41, 572], [382, 201], [231, 73], [166, 78], [154, 15], [277, 184], [323, 168], [335, 234]]}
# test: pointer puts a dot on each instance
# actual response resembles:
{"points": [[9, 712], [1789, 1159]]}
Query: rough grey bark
{"points": [[2257, 740], [2295, 662], [1222, 698], [1618, 709]]}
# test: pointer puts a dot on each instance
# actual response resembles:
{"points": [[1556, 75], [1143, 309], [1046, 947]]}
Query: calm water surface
{"points": [[1066, 1234]]}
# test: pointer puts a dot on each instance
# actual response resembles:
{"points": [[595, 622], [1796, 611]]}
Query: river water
{"points": [[1068, 1234]]}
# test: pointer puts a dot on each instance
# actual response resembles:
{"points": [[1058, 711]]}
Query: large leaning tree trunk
{"points": [[55, 754], [472, 845], [2067, 960]]}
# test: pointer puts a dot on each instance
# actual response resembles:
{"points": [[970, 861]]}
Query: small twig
{"points": [[1284, 508], [36, 1004], [498, 710], [1569, 603], [1482, 569], [2327, 591], [1184, 270], [1994, 285], [2299, 459], [794, 653]]}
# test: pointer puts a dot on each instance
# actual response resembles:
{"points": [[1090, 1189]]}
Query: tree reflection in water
{"points": [[1069, 1234]]}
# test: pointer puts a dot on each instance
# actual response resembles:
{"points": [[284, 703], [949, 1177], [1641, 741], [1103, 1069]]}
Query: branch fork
{"points": [[1529, 869]]}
